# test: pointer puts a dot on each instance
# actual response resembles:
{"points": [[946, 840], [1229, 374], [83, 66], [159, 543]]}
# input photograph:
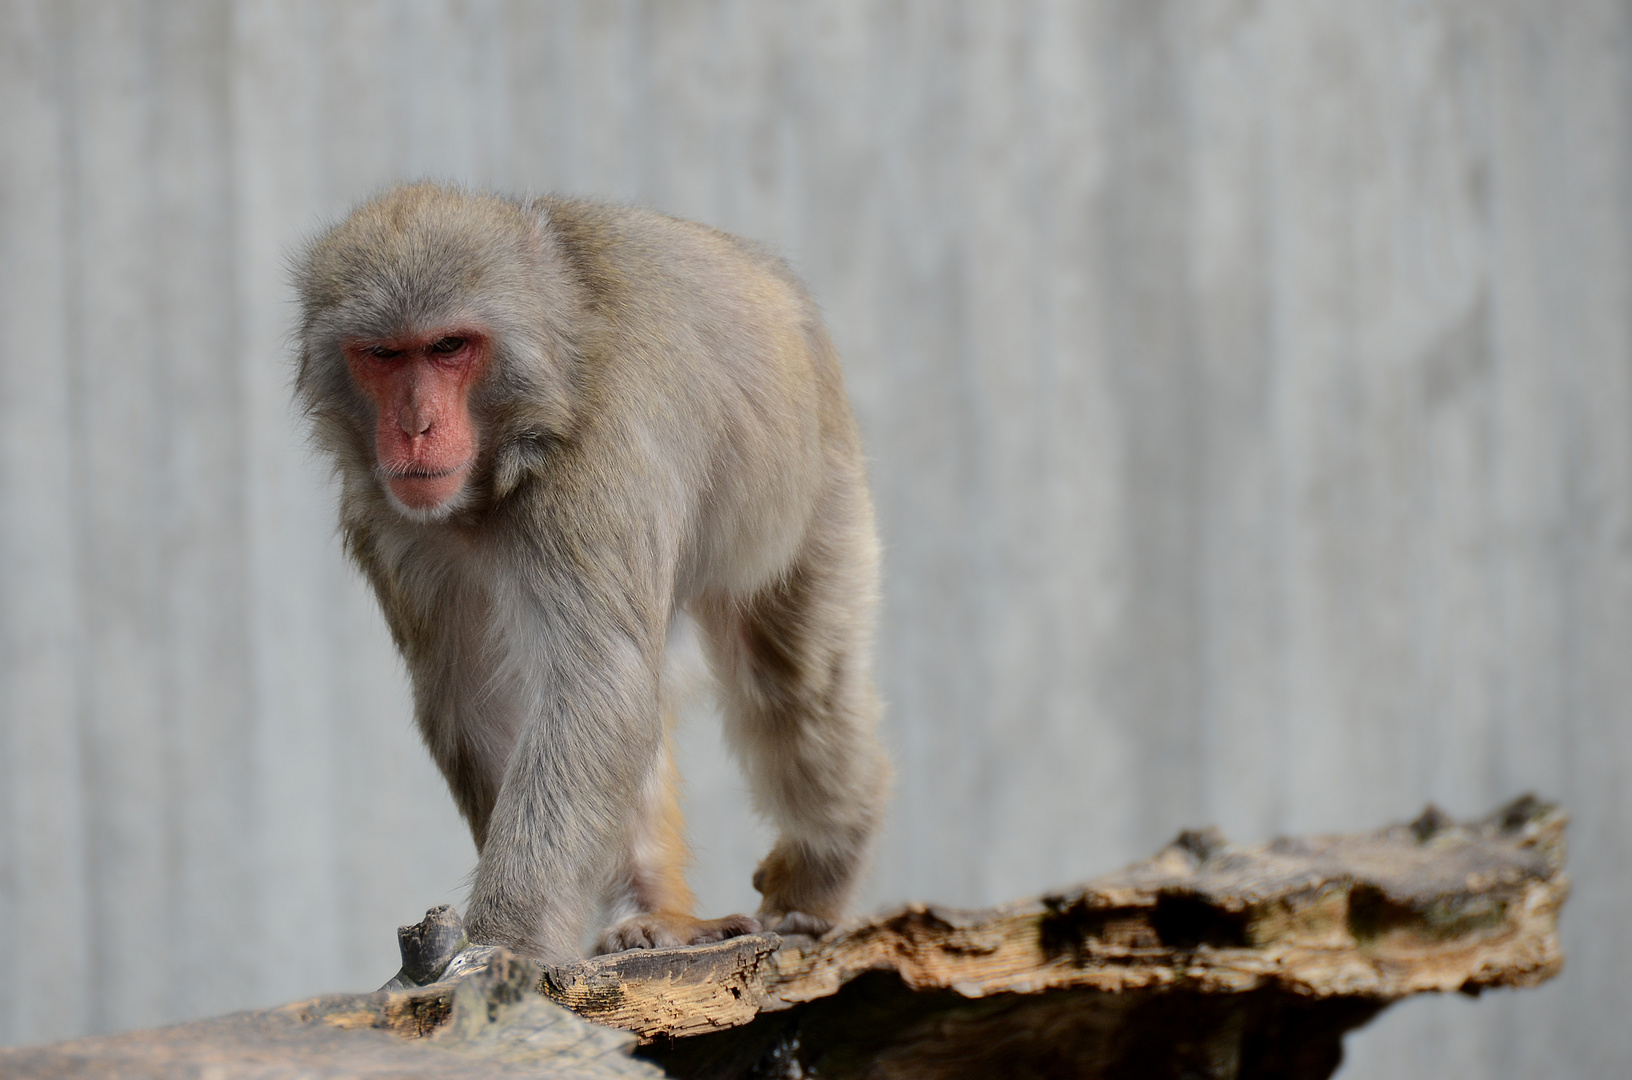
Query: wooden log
{"points": [[1208, 960]]}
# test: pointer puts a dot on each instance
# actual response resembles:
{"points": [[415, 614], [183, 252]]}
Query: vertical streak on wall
{"points": [[1590, 181], [1243, 709], [1149, 346], [210, 882], [276, 97], [995, 368], [1067, 523], [931, 457], [1529, 1036], [1341, 654], [119, 516], [44, 893], [541, 58]]}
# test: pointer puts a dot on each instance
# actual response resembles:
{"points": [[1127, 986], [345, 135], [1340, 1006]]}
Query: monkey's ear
{"points": [[518, 457]]}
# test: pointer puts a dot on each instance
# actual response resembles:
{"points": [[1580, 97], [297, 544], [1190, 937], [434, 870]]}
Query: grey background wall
{"points": [[1248, 387]]}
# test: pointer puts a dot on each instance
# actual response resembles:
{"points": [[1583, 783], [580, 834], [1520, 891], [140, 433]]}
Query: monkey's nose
{"points": [[413, 423]]}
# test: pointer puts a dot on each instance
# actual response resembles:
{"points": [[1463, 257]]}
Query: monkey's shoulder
{"points": [[641, 248]]}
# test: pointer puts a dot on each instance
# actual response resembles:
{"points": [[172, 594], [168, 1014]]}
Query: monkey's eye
{"points": [[382, 353], [448, 345]]}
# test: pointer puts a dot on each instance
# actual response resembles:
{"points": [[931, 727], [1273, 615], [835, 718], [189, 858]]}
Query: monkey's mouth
{"points": [[391, 473], [423, 487]]}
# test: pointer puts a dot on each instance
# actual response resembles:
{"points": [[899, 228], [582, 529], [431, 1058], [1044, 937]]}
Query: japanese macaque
{"points": [[559, 427]]}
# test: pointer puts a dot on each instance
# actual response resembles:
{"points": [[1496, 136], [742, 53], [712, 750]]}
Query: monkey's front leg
{"points": [[558, 828]]}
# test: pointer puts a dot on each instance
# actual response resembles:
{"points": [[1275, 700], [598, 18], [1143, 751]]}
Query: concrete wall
{"points": [[1248, 387]]}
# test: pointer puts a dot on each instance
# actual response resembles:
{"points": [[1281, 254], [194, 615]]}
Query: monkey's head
{"points": [[437, 346]]}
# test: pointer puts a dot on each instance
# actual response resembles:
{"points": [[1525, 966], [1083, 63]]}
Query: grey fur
{"points": [[663, 430]]}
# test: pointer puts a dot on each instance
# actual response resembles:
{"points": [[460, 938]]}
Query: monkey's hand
{"points": [[669, 929], [796, 922]]}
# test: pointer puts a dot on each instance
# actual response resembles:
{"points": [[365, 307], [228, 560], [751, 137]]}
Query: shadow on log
{"points": [[1208, 960]]}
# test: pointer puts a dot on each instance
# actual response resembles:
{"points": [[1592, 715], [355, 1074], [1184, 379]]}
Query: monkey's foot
{"points": [[796, 922], [668, 929]]}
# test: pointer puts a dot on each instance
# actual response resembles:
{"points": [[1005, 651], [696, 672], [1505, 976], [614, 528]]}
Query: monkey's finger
{"points": [[736, 925], [621, 937], [800, 922], [712, 930]]}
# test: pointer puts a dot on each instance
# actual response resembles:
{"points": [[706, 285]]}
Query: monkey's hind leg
{"points": [[802, 713], [652, 906]]}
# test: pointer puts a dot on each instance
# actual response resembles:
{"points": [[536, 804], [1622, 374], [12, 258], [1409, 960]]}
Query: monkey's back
{"points": [[730, 388]]}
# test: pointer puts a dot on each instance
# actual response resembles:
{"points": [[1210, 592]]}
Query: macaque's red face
{"points": [[425, 439]]}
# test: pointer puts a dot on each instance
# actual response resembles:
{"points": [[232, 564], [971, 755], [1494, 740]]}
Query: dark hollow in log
{"points": [[1207, 960]]}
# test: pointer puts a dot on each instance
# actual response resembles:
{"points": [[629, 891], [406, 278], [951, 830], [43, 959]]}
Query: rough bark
{"points": [[1208, 960]]}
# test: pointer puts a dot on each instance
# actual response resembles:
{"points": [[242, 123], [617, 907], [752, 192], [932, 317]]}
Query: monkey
{"points": [[560, 427]]}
